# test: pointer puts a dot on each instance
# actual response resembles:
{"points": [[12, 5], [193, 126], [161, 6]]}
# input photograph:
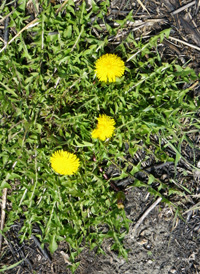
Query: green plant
{"points": [[50, 99], [10, 267]]}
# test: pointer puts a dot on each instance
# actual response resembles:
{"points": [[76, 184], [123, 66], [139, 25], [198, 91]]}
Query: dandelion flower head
{"points": [[105, 128], [108, 67], [64, 162]]}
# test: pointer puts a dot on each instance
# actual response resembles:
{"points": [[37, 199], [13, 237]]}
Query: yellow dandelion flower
{"points": [[64, 162], [105, 128], [108, 67]]}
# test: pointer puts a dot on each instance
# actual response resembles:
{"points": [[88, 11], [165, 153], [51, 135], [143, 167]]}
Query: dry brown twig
{"points": [[143, 6], [62, 5], [1, 20], [146, 213], [30, 25], [183, 7], [3, 213], [184, 43]]}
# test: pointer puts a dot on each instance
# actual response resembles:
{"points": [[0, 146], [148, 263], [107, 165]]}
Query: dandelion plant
{"points": [[56, 77]]}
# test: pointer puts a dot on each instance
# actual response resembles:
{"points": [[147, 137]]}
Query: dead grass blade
{"points": [[142, 5], [30, 25], [183, 8], [184, 43], [146, 213], [3, 213]]}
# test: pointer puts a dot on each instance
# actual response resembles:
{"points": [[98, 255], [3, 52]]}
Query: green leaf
{"points": [[151, 179], [84, 144], [11, 266], [5, 185], [53, 245]]}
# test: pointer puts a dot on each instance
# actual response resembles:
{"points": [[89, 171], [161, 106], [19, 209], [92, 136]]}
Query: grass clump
{"points": [[50, 100]]}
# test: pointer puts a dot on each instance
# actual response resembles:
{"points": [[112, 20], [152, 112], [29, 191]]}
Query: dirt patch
{"points": [[151, 17], [163, 245]]}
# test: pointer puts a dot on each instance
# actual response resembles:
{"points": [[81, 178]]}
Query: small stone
{"points": [[142, 241]]}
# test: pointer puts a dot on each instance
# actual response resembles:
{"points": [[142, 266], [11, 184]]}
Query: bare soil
{"points": [[164, 243]]}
